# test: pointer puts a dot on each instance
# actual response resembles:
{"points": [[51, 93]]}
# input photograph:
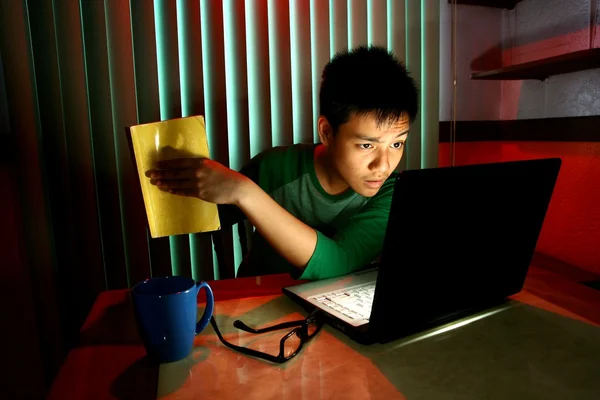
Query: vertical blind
{"points": [[79, 71]]}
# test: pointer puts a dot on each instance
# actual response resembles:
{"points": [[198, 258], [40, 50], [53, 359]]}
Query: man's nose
{"points": [[381, 162]]}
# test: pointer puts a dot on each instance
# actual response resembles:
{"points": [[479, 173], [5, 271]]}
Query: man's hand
{"points": [[199, 177]]}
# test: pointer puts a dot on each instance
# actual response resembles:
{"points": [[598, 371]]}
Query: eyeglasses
{"points": [[289, 346]]}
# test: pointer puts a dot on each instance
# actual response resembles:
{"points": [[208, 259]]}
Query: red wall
{"points": [[571, 231]]}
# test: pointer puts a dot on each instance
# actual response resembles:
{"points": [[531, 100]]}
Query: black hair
{"points": [[367, 80]]}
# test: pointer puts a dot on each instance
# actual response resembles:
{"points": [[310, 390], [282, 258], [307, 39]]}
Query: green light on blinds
{"points": [[206, 28], [233, 112], [424, 81], [176, 244], [274, 78], [331, 30], [231, 88], [254, 100], [182, 42], [313, 68], [296, 82], [369, 24], [350, 44], [160, 60], [390, 28]]}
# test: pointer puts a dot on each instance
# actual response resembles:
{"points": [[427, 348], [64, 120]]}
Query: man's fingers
{"points": [[184, 192], [172, 174], [175, 184], [180, 192], [180, 163]]}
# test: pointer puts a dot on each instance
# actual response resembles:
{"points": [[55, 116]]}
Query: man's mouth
{"points": [[374, 184]]}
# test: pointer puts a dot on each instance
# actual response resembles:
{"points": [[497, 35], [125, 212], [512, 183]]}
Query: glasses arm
{"points": [[244, 350]]}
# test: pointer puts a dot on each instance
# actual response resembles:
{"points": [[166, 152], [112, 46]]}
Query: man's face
{"points": [[365, 154]]}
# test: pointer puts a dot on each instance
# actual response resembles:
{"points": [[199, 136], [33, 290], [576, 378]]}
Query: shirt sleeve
{"points": [[356, 245]]}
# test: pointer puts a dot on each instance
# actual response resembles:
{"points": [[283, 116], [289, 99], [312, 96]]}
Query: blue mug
{"points": [[166, 313]]}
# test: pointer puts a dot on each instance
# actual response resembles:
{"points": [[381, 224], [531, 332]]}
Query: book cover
{"points": [[170, 214]]}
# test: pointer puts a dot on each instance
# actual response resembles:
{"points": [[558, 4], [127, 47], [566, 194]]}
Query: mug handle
{"points": [[208, 311]]}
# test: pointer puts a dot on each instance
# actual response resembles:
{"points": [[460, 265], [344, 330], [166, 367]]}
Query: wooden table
{"points": [[543, 344]]}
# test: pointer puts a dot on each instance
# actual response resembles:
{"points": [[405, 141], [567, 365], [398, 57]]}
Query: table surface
{"points": [[544, 343]]}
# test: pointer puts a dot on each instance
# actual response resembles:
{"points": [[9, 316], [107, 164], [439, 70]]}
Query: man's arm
{"points": [[317, 256], [354, 246], [289, 236]]}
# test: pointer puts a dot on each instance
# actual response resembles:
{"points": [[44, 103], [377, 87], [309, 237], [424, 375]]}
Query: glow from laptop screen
{"points": [[449, 327]]}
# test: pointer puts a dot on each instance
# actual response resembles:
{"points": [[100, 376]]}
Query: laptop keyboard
{"points": [[354, 303]]}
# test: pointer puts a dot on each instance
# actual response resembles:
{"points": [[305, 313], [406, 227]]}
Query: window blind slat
{"points": [[167, 58], [192, 103], [357, 23], [301, 71], [413, 62], [280, 72], [396, 28], [148, 106], [396, 40], [430, 28], [319, 43], [189, 49], [257, 59], [213, 70], [377, 22], [338, 25], [236, 87]]}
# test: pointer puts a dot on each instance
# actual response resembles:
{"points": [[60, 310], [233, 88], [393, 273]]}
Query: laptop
{"points": [[459, 240]]}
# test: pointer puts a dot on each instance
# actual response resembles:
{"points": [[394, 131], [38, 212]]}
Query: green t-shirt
{"points": [[350, 227]]}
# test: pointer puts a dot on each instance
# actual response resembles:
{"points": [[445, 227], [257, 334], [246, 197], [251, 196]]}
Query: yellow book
{"points": [[170, 214]]}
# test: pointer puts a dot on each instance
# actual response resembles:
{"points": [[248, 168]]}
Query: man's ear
{"points": [[325, 130]]}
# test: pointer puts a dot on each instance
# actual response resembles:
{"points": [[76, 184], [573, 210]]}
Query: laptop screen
{"points": [[460, 237]]}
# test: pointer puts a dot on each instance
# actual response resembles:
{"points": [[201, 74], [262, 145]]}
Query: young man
{"points": [[320, 210]]}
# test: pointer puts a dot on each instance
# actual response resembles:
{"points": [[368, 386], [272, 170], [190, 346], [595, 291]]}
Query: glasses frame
{"points": [[301, 330]]}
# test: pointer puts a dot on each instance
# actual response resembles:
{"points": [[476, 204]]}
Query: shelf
{"points": [[564, 129], [542, 69], [508, 4]]}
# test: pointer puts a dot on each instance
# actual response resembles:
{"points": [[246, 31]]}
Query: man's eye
{"points": [[365, 146], [398, 145]]}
